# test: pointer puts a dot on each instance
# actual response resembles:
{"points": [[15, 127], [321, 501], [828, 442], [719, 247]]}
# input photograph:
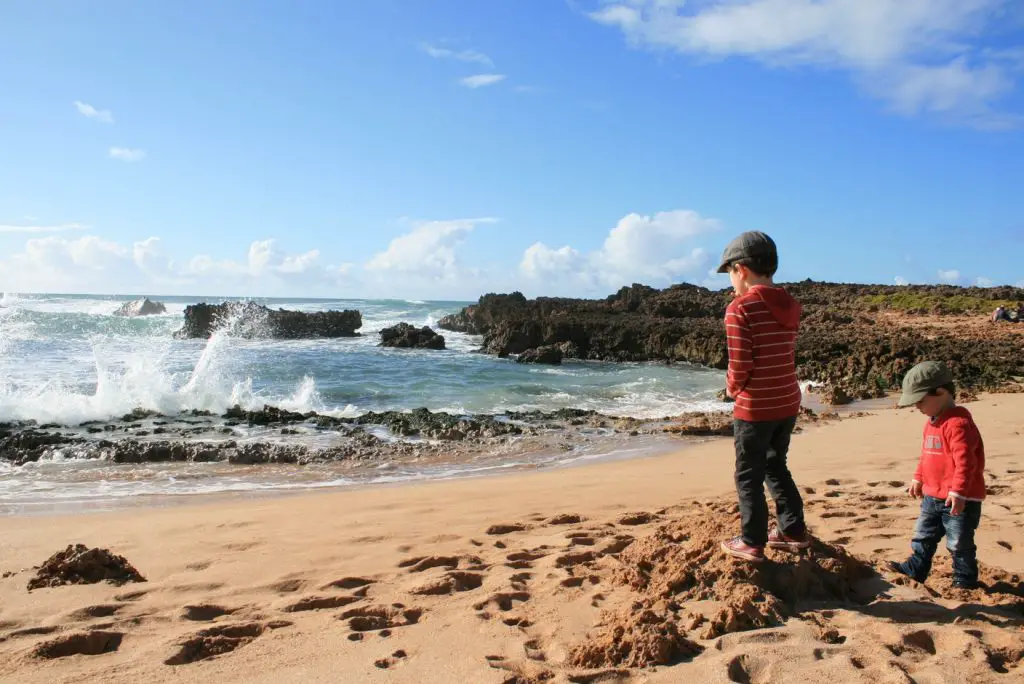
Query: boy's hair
{"points": [[949, 387], [760, 265]]}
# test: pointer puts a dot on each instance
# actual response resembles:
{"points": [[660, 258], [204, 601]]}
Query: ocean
{"points": [[66, 360]]}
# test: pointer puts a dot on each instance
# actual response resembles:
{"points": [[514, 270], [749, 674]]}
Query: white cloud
{"points": [[96, 265], [541, 260], [127, 154], [481, 80], [922, 56], [983, 282], [900, 280], [460, 55], [63, 227], [654, 249], [428, 250], [88, 111], [950, 276]]}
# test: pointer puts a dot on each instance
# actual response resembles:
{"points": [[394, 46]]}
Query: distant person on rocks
{"points": [[950, 477], [1001, 314], [761, 325]]}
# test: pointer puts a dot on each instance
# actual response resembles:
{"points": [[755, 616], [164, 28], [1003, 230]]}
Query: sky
{"points": [[442, 149]]}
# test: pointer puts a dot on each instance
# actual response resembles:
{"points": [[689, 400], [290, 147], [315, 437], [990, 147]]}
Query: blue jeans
{"points": [[935, 522]]}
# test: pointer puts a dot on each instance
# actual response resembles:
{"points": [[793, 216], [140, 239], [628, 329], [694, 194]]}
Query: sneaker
{"points": [[901, 569], [966, 585], [737, 548], [778, 540]]}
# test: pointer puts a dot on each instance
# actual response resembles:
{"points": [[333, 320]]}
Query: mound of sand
{"points": [[79, 564], [681, 563]]}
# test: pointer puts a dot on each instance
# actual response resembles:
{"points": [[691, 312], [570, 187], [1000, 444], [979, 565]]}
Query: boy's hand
{"points": [[956, 504], [915, 490]]}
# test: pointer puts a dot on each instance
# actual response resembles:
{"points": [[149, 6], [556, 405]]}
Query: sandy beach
{"points": [[579, 574]]}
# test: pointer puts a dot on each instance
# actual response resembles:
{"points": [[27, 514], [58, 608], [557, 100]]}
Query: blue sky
{"points": [[430, 149]]}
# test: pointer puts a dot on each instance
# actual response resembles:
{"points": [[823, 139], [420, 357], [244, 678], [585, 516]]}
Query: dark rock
{"points": [[408, 336], [842, 343], [723, 396], [832, 395], [549, 354], [140, 307], [79, 564], [252, 320]]}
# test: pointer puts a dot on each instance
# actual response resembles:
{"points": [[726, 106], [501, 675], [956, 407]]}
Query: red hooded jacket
{"points": [[761, 328], [952, 457]]}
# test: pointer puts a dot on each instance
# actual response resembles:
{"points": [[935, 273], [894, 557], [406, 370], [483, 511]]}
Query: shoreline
{"points": [[651, 442], [296, 560]]}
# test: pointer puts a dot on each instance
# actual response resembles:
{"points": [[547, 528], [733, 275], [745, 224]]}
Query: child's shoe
{"points": [[737, 548], [778, 540]]}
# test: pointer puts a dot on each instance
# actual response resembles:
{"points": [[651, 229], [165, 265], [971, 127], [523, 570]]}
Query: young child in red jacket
{"points": [[950, 477]]}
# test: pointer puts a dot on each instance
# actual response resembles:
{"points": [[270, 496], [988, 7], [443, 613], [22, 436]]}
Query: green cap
{"points": [[922, 379], [750, 245]]}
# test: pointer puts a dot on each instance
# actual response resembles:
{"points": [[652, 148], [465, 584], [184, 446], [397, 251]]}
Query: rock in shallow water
{"points": [[141, 307], [407, 336], [252, 320]]}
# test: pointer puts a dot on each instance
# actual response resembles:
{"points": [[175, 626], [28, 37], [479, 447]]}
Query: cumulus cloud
{"points": [[458, 55], [654, 249], [481, 80], [921, 56], [90, 112], [983, 282], [428, 250], [900, 280], [127, 154], [94, 264], [949, 276]]}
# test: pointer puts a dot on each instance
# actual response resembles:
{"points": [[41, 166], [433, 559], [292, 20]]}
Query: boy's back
{"points": [[762, 326]]}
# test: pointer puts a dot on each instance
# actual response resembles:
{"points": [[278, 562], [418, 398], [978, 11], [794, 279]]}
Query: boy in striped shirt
{"points": [[761, 325]]}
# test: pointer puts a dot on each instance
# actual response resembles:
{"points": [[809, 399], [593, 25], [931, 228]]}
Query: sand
{"points": [[607, 572]]}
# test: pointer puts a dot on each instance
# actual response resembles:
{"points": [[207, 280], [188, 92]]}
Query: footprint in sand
{"points": [[523, 560], [566, 519], [421, 563], [320, 603], [505, 528], [520, 579], [919, 643], [451, 583], [533, 651], [205, 612], [80, 643], [218, 640], [571, 560], [396, 657], [502, 601], [1005, 544], [349, 583], [380, 618]]}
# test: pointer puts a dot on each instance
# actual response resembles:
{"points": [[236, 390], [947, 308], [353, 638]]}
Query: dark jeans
{"points": [[935, 522], [761, 459]]}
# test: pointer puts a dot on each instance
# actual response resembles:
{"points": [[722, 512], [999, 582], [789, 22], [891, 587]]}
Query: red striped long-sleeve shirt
{"points": [[761, 328]]}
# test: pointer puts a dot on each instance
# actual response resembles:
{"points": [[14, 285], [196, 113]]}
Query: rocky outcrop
{"points": [[858, 340], [408, 336], [252, 320], [141, 307], [550, 355]]}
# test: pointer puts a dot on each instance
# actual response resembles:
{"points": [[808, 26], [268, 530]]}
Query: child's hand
{"points": [[915, 490], [956, 504]]}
